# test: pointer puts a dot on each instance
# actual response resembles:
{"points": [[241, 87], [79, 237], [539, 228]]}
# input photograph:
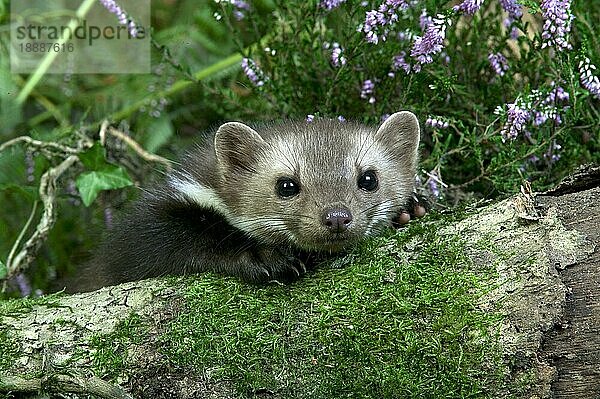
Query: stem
{"points": [[138, 148], [13, 251], [51, 56]]}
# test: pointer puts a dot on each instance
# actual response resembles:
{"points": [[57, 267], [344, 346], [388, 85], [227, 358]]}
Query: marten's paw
{"points": [[416, 207], [274, 265]]}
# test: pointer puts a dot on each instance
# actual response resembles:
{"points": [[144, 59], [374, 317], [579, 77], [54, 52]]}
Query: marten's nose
{"points": [[337, 220]]}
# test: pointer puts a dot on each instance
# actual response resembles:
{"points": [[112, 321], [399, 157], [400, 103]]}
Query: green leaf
{"points": [[94, 158], [90, 184], [159, 132], [3, 270]]}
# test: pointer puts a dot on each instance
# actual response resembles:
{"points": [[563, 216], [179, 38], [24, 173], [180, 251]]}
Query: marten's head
{"points": [[320, 185]]}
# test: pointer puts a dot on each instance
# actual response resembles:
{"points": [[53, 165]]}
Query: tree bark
{"points": [[548, 286]]}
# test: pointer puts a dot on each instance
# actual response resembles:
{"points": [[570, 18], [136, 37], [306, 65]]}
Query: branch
{"points": [[64, 384], [518, 250], [48, 196], [134, 145], [41, 145]]}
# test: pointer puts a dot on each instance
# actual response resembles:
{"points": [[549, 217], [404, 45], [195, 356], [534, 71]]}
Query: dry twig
{"points": [[134, 145], [47, 193], [41, 145]]}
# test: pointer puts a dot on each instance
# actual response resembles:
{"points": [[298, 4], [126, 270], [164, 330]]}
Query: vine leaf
{"points": [[90, 184], [94, 158]]}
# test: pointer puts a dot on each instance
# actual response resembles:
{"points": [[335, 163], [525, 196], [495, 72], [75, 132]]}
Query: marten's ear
{"points": [[236, 146], [401, 134]]}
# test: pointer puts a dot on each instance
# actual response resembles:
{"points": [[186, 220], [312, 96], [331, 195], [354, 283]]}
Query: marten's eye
{"points": [[287, 187], [368, 181]]}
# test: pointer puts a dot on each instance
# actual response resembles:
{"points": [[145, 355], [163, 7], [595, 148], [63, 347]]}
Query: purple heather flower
{"points": [[23, 284], [424, 20], [498, 63], [539, 118], [557, 23], [253, 72], [336, 56], [367, 90], [545, 114], [517, 117], [399, 62], [436, 123], [537, 109], [433, 187], [556, 95], [370, 27], [434, 181], [468, 7], [71, 190], [331, 4], [377, 22], [514, 31], [239, 7], [238, 15], [514, 9], [310, 118], [589, 81], [405, 35], [108, 217], [114, 8], [432, 41], [241, 4], [552, 155]]}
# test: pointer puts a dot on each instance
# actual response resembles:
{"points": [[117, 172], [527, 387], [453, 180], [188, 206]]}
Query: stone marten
{"points": [[252, 202]]}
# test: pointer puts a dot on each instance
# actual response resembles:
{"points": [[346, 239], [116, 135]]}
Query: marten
{"points": [[253, 202]]}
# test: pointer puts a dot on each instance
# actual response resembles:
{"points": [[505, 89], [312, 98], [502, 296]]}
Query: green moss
{"points": [[25, 305], [9, 351], [384, 325], [110, 351]]}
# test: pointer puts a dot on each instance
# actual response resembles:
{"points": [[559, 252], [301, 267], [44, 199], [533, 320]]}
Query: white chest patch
{"points": [[199, 194]]}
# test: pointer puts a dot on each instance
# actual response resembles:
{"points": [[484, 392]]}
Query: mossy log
{"points": [[545, 256]]}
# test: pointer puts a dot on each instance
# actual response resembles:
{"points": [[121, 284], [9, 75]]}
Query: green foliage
{"points": [[381, 326], [103, 176], [90, 184], [9, 350], [459, 87]]}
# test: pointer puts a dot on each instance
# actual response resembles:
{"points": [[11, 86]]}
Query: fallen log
{"points": [[539, 253]]}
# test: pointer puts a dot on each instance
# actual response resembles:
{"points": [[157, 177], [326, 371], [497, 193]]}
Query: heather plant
{"points": [[505, 90]]}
